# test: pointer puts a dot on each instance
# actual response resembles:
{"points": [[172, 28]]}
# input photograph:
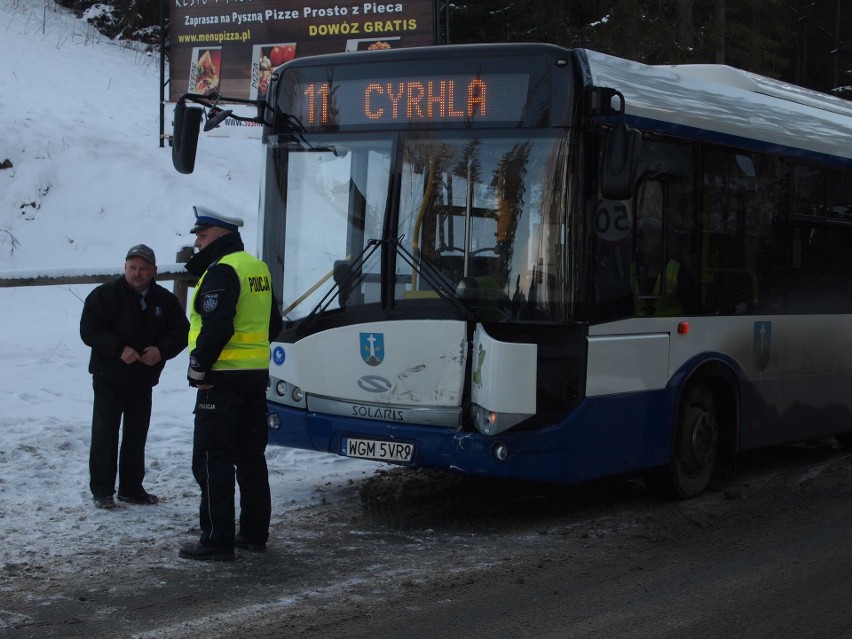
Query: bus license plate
{"points": [[375, 449]]}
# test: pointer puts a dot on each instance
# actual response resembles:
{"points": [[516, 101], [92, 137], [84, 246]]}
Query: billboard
{"points": [[232, 46]]}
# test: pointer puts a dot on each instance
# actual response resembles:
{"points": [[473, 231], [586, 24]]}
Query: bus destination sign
{"points": [[494, 98]]}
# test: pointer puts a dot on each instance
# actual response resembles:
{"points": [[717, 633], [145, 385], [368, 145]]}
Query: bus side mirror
{"points": [[619, 160], [215, 118], [185, 136]]}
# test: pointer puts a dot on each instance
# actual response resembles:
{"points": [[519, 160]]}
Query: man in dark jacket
{"points": [[233, 317], [133, 325]]}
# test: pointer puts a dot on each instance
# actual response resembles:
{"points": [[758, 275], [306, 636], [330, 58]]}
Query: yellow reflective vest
{"points": [[248, 348]]}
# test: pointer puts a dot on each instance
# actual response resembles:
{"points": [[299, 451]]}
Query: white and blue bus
{"points": [[520, 260]]}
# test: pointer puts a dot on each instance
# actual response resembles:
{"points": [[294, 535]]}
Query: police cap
{"points": [[205, 218]]}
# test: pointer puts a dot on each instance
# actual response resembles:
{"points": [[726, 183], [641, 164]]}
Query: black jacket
{"points": [[113, 318], [222, 281]]}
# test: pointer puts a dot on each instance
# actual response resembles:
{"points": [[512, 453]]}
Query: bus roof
{"points": [[724, 104]]}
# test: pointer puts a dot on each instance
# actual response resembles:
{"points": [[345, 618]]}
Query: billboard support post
{"points": [[162, 73]]}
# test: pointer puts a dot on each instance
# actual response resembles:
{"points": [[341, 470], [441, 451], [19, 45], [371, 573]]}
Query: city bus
{"points": [[526, 261]]}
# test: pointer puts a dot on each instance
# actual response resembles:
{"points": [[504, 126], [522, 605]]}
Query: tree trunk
{"points": [[720, 31], [685, 26]]}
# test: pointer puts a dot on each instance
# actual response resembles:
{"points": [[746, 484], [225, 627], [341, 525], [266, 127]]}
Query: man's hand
{"points": [[129, 355], [195, 375], [151, 356]]}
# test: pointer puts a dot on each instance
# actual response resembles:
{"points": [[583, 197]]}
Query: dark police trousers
{"points": [[111, 400], [230, 433]]}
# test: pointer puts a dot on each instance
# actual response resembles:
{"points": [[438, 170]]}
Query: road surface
{"points": [[413, 554]]}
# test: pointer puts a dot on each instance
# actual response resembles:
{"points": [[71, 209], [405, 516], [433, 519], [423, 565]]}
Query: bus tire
{"points": [[695, 446]]}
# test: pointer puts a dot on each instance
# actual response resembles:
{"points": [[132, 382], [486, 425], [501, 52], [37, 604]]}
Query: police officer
{"points": [[233, 317], [133, 325]]}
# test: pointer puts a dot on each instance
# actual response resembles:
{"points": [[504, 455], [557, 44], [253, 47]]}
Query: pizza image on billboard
{"points": [[265, 58], [204, 70], [371, 44]]}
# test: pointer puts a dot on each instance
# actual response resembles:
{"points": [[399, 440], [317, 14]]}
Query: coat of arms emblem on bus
{"points": [[762, 343], [372, 348]]}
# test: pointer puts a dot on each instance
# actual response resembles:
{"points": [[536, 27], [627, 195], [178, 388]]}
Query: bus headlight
{"points": [[273, 422], [281, 391], [484, 420], [490, 422]]}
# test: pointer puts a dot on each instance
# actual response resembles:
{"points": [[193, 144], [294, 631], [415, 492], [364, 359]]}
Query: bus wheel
{"points": [[696, 445]]}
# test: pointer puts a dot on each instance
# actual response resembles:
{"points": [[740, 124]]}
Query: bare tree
{"points": [[719, 30]]}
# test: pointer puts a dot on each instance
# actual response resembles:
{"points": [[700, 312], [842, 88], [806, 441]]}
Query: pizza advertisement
{"points": [[372, 44], [265, 58], [232, 48], [204, 72]]}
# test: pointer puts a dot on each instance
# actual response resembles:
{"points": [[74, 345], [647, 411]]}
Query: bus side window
{"points": [[663, 272], [822, 259], [649, 257], [741, 252], [821, 242], [649, 278]]}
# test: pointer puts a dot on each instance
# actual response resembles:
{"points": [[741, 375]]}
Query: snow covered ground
{"points": [[88, 179]]}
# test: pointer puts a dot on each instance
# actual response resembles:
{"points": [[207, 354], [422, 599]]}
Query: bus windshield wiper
{"points": [[430, 273], [348, 274]]}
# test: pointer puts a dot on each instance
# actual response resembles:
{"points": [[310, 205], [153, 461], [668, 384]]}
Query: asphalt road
{"points": [[411, 555]]}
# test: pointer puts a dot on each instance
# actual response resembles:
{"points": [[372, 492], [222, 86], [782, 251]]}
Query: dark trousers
{"points": [[229, 442], [111, 402]]}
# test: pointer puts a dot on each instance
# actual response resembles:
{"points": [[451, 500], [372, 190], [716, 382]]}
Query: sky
{"points": [[88, 180]]}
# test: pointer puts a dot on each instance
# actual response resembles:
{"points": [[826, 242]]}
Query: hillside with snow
{"points": [[84, 179], [81, 143]]}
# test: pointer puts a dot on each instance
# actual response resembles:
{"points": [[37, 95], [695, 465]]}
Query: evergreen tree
{"points": [[801, 41]]}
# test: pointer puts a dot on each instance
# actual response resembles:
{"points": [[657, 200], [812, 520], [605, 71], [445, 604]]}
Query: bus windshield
{"points": [[478, 215]]}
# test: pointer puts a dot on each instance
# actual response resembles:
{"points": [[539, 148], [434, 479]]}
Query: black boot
{"points": [[251, 546], [200, 551]]}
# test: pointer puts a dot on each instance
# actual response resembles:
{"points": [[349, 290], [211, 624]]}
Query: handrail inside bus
{"points": [[308, 292]]}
